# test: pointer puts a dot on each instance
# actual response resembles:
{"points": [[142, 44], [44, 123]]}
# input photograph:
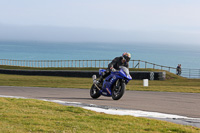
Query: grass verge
{"points": [[29, 115], [175, 84]]}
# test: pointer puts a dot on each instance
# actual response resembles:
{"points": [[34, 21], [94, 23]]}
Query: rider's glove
{"points": [[112, 69]]}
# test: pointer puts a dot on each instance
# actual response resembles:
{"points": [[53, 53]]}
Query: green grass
{"points": [[175, 84], [29, 115]]}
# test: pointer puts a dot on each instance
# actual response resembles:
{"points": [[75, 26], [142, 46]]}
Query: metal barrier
{"points": [[189, 73], [78, 63]]}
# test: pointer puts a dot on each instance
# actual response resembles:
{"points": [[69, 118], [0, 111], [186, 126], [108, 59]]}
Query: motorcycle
{"points": [[113, 85]]}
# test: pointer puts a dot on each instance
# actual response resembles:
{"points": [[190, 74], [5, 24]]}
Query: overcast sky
{"points": [[161, 21]]}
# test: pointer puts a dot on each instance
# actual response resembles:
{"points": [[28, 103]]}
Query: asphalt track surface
{"points": [[184, 104]]}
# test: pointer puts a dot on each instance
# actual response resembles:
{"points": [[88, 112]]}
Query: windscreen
{"points": [[125, 69]]}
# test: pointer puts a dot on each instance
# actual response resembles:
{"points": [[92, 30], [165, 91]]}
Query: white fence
{"points": [[189, 73]]}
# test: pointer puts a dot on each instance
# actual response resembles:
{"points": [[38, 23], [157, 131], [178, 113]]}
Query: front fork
{"points": [[97, 87], [95, 82], [117, 83]]}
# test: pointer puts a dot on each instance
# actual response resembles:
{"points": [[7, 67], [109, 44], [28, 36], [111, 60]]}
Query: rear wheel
{"points": [[118, 90], [95, 92]]}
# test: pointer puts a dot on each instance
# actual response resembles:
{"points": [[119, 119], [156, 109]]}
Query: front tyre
{"points": [[94, 92], [118, 90]]}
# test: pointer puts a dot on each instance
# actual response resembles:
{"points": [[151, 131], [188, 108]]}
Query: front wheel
{"points": [[118, 90], [95, 92]]}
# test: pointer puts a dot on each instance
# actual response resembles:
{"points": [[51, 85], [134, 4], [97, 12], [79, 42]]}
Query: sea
{"points": [[162, 54]]}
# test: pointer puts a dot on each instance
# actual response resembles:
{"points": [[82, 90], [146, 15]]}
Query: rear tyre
{"points": [[95, 92], [118, 90]]}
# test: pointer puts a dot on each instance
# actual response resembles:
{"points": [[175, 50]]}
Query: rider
{"points": [[114, 65]]}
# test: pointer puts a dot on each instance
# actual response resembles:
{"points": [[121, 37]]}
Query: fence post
{"points": [[145, 65], [153, 66], [138, 63], [99, 64]]}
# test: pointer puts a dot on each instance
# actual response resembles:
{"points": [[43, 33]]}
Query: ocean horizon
{"points": [[166, 55]]}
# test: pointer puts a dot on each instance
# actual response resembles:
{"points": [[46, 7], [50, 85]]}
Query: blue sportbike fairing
{"points": [[110, 81]]}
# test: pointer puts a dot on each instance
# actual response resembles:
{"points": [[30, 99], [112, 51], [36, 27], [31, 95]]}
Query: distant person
{"points": [[178, 69]]}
